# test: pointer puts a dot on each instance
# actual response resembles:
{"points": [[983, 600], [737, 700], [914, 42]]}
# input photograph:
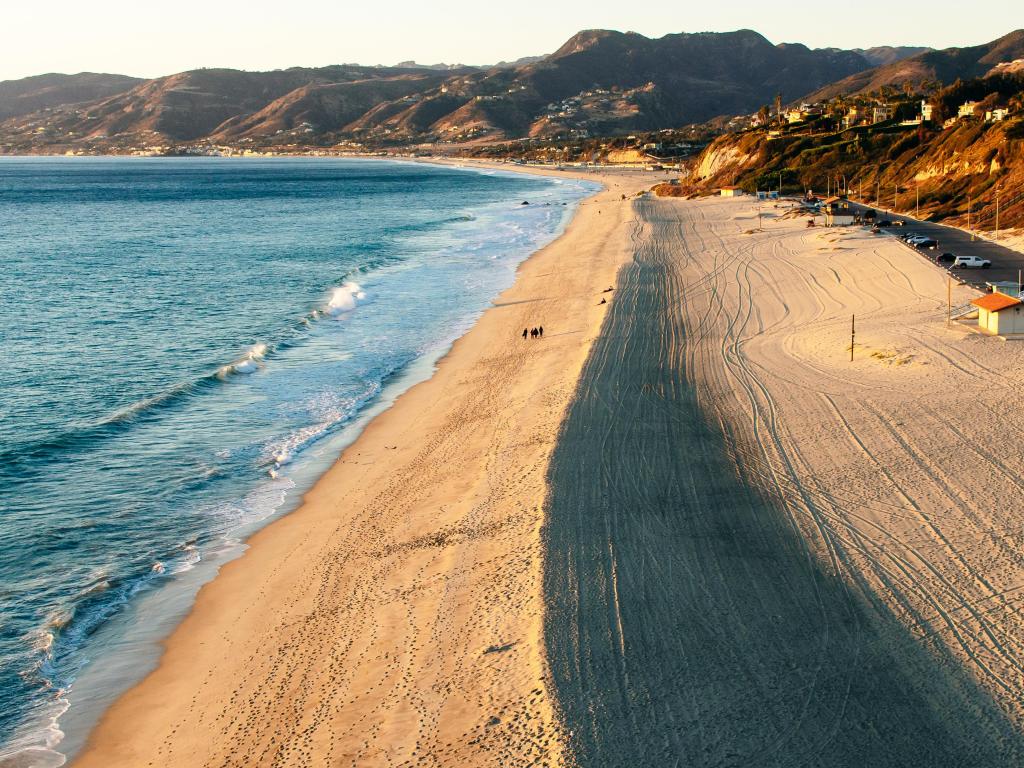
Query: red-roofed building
{"points": [[1000, 314]]}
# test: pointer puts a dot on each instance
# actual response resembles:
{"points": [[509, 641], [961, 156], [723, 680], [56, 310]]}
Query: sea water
{"points": [[185, 344]]}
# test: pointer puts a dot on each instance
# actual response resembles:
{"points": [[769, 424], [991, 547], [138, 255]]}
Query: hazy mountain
{"points": [[598, 82], [943, 66], [602, 81], [881, 55], [22, 97]]}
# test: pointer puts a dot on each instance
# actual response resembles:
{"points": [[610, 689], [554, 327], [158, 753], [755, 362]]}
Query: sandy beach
{"points": [[761, 553], [682, 529], [396, 617]]}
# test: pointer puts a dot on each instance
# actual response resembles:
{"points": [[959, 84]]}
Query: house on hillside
{"points": [[926, 112], [967, 109], [882, 113], [1000, 314], [838, 212], [730, 192], [852, 117], [996, 115]]}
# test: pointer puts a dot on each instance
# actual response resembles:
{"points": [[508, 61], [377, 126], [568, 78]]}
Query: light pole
{"points": [[917, 203], [997, 213], [969, 229]]}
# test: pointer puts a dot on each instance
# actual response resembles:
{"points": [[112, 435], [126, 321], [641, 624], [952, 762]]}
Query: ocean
{"points": [[185, 345]]}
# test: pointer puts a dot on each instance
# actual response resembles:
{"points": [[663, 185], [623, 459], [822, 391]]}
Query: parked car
{"points": [[946, 258], [898, 223], [971, 262], [884, 223], [926, 244]]}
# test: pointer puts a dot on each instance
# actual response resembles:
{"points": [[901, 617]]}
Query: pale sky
{"points": [[151, 39]]}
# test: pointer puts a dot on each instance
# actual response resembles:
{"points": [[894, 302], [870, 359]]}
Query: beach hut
{"points": [[730, 192], [1000, 314], [838, 212]]}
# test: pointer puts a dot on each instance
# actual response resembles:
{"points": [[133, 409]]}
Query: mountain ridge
{"points": [[599, 82]]}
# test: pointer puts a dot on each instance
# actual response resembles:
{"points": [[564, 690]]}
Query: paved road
{"points": [[1005, 262]]}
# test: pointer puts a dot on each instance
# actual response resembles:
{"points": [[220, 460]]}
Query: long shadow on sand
{"points": [[687, 624]]}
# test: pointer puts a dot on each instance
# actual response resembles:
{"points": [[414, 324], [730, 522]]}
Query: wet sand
{"points": [[762, 554], [395, 618]]}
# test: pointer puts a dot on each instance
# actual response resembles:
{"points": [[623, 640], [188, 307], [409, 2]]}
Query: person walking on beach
{"points": [[540, 331], [525, 332]]}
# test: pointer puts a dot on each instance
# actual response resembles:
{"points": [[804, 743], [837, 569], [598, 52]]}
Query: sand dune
{"points": [[763, 554]]}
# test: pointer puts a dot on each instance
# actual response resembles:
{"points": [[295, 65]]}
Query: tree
{"points": [[763, 115], [778, 107]]}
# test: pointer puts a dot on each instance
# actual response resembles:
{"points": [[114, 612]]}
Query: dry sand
{"points": [[757, 552], [396, 617], [763, 554]]}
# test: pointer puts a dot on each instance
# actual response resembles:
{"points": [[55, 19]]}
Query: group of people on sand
{"points": [[534, 333]]}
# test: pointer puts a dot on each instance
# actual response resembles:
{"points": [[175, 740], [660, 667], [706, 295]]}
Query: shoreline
{"points": [[107, 742], [128, 647]]}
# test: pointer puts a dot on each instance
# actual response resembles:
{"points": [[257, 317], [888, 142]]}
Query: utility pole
{"points": [[853, 334], [878, 193], [969, 229], [997, 213], [917, 204], [895, 192], [949, 300]]}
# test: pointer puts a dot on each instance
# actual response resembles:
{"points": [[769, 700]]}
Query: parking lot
{"points": [[1006, 263]]}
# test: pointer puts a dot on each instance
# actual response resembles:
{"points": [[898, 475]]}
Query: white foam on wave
{"points": [[328, 410], [249, 363], [343, 299], [35, 749], [190, 561]]}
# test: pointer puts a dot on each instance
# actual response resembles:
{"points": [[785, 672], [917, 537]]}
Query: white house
{"points": [[996, 115], [731, 192], [926, 112], [967, 109], [881, 114]]}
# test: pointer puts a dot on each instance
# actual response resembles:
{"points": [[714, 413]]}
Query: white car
{"points": [[971, 262]]}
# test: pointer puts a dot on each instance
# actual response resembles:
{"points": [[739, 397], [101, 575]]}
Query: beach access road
{"points": [[1007, 263], [760, 553]]}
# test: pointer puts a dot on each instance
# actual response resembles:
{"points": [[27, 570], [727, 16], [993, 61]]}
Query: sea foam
{"points": [[343, 299]]}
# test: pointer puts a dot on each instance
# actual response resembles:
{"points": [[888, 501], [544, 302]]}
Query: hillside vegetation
{"points": [[939, 172]]}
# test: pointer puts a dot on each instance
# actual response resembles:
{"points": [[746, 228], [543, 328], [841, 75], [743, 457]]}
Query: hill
{"points": [[945, 67], [599, 81], [938, 171], [31, 94], [881, 55]]}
